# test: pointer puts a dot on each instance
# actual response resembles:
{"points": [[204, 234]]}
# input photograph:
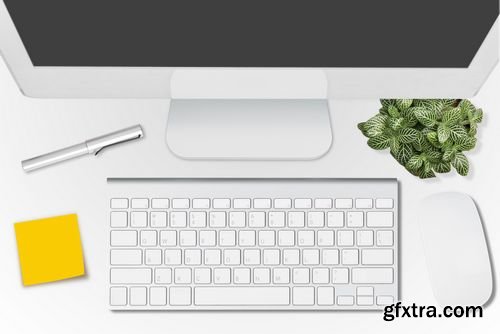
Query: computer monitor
{"points": [[319, 49]]}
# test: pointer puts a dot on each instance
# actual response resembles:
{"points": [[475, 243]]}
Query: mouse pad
{"points": [[49, 249]]}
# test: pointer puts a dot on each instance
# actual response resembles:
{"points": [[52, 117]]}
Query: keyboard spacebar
{"points": [[236, 296]]}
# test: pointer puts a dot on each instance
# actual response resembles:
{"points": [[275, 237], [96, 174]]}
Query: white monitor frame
{"points": [[141, 82]]}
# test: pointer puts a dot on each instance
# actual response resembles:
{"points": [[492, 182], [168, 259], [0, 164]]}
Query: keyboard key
{"points": [[251, 257], [192, 257], [345, 238], [385, 300], [310, 257], [237, 219], [345, 300], [364, 238], [267, 238], [201, 203], [343, 203], [212, 257], [163, 275], [296, 219], [291, 257], [262, 203], [123, 238], [379, 219], [321, 275], [180, 296], [281, 275], [160, 203], [158, 219], [335, 219], [178, 219], [276, 219], [197, 219], [138, 296], [300, 275], [315, 219], [173, 257], [152, 257], [187, 238], [372, 275], [119, 219], [305, 238], [227, 238], [140, 203], [326, 238], [241, 203], [180, 203], [350, 257], [148, 238], [217, 219], [303, 296], [168, 238], [126, 257], [182, 276], [355, 219], [364, 291], [340, 275], [202, 275], [157, 296], [257, 219], [303, 203], [118, 296], [130, 276], [271, 257], [364, 203], [237, 296], [326, 296], [222, 275], [242, 275], [262, 276], [139, 219], [365, 300], [119, 203], [232, 257], [377, 257], [286, 238], [384, 203], [222, 203], [385, 238], [323, 203], [282, 203], [246, 238], [330, 257], [208, 238]]}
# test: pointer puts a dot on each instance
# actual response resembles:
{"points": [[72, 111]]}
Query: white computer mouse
{"points": [[455, 249]]}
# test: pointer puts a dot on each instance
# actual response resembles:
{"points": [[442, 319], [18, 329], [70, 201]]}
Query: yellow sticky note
{"points": [[49, 249]]}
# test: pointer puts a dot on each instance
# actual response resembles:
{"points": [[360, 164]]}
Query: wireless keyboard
{"points": [[286, 244]]}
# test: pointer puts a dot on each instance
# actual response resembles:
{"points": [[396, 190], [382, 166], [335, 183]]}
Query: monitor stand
{"points": [[249, 128]]}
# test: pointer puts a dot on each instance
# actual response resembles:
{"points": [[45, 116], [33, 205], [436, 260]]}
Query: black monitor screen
{"points": [[253, 33]]}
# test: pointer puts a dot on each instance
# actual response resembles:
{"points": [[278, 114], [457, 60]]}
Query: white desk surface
{"points": [[33, 126]]}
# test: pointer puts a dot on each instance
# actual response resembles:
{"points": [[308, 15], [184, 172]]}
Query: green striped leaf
{"points": [[461, 164], [452, 116], [443, 132], [408, 135], [425, 116], [465, 143], [403, 104], [379, 142], [414, 163], [457, 132]]}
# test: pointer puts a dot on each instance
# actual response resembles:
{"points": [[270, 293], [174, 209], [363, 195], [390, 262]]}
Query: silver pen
{"points": [[91, 146]]}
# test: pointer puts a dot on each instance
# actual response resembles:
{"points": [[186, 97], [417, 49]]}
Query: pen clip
{"points": [[113, 144]]}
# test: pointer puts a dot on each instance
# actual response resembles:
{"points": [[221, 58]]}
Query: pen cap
{"points": [[97, 144]]}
